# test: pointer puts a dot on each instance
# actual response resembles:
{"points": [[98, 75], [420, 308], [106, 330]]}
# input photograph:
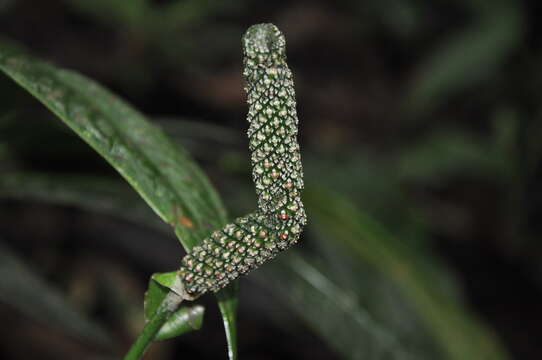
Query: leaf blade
{"points": [[163, 174], [332, 311], [183, 320], [457, 331]]}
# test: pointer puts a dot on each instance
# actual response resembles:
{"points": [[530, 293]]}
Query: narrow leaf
{"points": [[87, 192], [22, 289], [468, 57], [453, 326], [185, 319], [163, 174], [333, 312], [182, 321]]}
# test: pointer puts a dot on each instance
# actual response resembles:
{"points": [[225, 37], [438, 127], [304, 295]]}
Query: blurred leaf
{"points": [[94, 193], [202, 138], [506, 130], [7, 157], [449, 152], [370, 179], [333, 312], [163, 174], [193, 23], [116, 12], [183, 320], [467, 58], [191, 129], [401, 17], [507, 140], [110, 197], [23, 290], [5, 5], [376, 293], [453, 327], [188, 12], [144, 14], [85, 191]]}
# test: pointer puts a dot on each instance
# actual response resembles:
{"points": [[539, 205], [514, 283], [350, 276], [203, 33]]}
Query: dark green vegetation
{"points": [[420, 134]]}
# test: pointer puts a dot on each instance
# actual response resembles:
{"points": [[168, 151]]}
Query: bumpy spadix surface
{"points": [[276, 170]]}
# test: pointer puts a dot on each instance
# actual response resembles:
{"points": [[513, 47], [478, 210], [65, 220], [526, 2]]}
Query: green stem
{"points": [[163, 312]]}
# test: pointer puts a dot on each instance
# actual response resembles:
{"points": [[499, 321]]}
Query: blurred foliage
{"points": [[415, 273], [335, 312], [22, 288], [420, 123], [468, 57]]}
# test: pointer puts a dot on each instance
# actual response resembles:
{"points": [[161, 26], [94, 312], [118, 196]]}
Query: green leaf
{"points": [[228, 302], [156, 292], [448, 152], [467, 57], [108, 196], [162, 173], [191, 129], [88, 192], [453, 326], [129, 13], [332, 311], [28, 293], [183, 320]]}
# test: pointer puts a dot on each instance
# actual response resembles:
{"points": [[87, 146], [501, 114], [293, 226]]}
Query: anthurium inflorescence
{"points": [[276, 170]]}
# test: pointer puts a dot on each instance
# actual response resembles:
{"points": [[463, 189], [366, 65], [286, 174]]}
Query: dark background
{"points": [[425, 114]]}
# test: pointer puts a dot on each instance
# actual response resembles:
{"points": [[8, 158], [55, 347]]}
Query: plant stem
{"points": [[170, 303]]}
